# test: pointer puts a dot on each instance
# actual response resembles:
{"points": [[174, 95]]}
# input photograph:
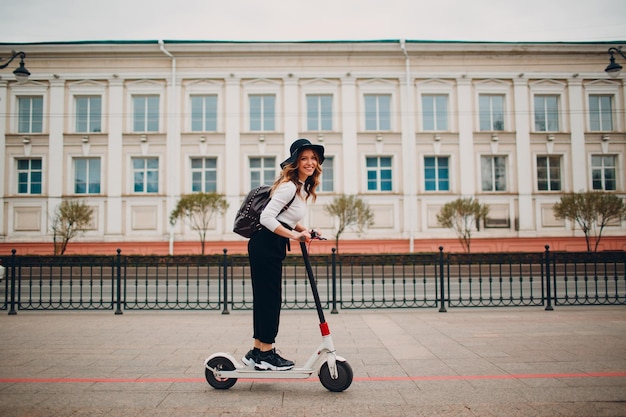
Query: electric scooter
{"points": [[222, 370]]}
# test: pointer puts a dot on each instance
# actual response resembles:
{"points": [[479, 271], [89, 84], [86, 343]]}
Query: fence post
{"points": [[118, 280], [11, 273], [547, 276], [442, 292], [225, 268], [334, 278]]}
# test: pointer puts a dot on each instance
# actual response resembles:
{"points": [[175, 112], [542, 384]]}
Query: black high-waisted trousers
{"points": [[266, 251]]}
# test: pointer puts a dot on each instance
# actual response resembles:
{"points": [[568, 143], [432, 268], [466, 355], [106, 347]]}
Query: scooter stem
{"points": [[316, 295]]}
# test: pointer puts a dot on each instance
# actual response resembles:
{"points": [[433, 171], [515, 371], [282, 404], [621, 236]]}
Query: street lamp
{"points": [[21, 73], [613, 69]]}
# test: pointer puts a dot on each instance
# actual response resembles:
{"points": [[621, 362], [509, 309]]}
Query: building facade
{"points": [[129, 127]]}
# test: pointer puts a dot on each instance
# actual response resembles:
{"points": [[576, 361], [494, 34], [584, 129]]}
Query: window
{"points": [[88, 114], [491, 111], [87, 175], [546, 113], [204, 175], [436, 173], [145, 113], [262, 171], [146, 175], [327, 183], [377, 112], [600, 113], [379, 173], [319, 112], [30, 114], [493, 173], [549, 173], [29, 176], [204, 113], [435, 112], [262, 112], [603, 172]]}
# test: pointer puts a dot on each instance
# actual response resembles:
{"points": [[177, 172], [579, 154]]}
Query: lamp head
{"points": [[21, 73], [613, 69]]}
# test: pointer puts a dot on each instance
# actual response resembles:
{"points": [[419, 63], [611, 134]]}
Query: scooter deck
{"points": [[250, 372]]}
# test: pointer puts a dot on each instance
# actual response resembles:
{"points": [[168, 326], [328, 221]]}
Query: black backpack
{"points": [[248, 216]]}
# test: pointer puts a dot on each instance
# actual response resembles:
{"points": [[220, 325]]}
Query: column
{"points": [[522, 145], [4, 165], [115, 162], [467, 172], [577, 127], [409, 158], [349, 122], [57, 169], [232, 165], [291, 114]]}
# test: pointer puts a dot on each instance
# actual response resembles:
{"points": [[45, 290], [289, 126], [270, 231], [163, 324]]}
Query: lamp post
{"points": [[613, 69], [21, 73]]}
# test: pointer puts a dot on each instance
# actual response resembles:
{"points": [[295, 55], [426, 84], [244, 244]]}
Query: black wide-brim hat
{"points": [[300, 145]]}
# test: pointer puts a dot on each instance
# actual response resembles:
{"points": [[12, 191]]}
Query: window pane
{"points": [[268, 112], [327, 178], [312, 112], [370, 113], [384, 109], [428, 112], [255, 113], [37, 115], [153, 114]]}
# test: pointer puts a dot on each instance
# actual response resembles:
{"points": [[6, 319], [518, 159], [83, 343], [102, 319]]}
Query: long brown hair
{"points": [[290, 173]]}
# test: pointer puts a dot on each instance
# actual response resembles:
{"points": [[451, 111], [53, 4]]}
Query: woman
{"points": [[267, 248]]}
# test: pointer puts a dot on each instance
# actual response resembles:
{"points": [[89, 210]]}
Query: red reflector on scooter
{"points": [[324, 328]]}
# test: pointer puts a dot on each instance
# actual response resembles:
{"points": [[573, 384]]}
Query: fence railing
{"points": [[221, 282]]}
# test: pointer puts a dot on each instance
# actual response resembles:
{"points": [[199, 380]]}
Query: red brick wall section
{"points": [[572, 244]]}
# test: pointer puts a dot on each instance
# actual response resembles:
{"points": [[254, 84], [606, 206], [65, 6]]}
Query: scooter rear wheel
{"points": [[219, 363], [344, 377]]}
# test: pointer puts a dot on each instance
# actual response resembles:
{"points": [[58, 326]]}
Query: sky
{"points": [[26, 21]]}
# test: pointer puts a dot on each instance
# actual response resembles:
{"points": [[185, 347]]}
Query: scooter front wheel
{"points": [[219, 363], [344, 377]]}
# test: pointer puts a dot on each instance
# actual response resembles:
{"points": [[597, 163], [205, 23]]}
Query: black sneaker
{"points": [[271, 360], [252, 357]]}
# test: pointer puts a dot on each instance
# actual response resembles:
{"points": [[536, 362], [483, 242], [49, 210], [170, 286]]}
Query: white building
{"points": [[408, 126]]}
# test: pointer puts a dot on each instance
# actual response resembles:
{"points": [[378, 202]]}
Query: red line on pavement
{"points": [[361, 379]]}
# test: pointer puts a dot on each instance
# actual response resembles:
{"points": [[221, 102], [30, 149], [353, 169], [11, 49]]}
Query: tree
{"points": [[71, 218], [198, 209], [463, 215], [592, 210], [351, 211]]}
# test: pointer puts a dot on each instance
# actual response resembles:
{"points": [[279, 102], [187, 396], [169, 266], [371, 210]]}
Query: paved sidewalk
{"points": [[413, 362]]}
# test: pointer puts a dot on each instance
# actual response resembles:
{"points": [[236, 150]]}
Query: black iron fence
{"points": [[221, 282]]}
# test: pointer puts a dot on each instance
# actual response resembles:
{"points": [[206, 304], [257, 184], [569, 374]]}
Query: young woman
{"points": [[267, 248]]}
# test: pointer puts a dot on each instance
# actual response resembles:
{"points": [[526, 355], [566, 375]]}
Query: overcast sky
{"points": [[297, 20]]}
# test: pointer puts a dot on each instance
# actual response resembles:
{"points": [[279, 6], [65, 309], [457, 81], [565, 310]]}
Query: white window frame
{"points": [[320, 87], [145, 88], [562, 158], [379, 87], [619, 171], [550, 88], [436, 87], [14, 171], [204, 88], [131, 180], [270, 180], [394, 172], [494, 87], [602, 87], [82, 89], [28, 91], [74, 158], [262, 87], [190, 171], [507, 171], [328, 162]]}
